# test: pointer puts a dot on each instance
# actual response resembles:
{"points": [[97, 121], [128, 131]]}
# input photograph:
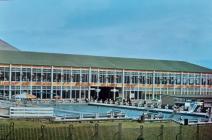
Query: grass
{"points": [[125, 124]]}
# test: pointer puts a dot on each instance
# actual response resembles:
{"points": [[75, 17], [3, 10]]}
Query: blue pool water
{"points": [[84, 108]]}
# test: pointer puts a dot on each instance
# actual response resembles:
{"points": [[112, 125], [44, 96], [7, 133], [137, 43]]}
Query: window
{"points": [[191, 79], [127, 78], [46, 75], [197, 79], [57, 75], [118, 77], [67, 76], [36, 75], [4, 73], [94, 76], [85, 76], [178, 79], [66, 92], [171, 79], [46, 93], [111, 77], [102, 77], [76, 75], [164, 78], [16, 74], [134, 77], [149, 78], [203, 80], [157, 78], [36, 90], [26, 74], [142, 78]]}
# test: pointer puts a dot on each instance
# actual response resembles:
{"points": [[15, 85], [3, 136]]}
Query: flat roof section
{"points": [[54, 59]]}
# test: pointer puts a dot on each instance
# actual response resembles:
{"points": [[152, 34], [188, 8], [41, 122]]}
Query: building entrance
{"points": [[104, 93]]}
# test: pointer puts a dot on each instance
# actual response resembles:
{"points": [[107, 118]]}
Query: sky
{"points": [[149, 29]]}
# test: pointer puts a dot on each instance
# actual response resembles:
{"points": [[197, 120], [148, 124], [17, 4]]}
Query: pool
{"points": [[70, 109]]}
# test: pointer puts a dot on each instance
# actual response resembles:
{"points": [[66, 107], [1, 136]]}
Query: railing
{"points": [[99, 131], [26, 112], [68, 115]]}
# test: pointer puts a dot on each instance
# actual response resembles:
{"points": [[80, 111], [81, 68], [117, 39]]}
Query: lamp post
{"points": [[114, 93], [97, 91]]}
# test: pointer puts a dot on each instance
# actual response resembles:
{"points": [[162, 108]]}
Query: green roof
{"points": [[53, 59]]}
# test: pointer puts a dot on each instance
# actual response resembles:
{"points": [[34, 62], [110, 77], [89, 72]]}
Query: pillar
{"points": [[123, 79], [145, 85], [200, 90], [10, 77], [181, 78], [61, 84], [80, 90], [31, 80], [52, 71], [153, 86], [89, 87]]}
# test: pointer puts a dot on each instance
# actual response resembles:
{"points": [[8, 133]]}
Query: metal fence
{"points": [[24, 112], [104, 132]]}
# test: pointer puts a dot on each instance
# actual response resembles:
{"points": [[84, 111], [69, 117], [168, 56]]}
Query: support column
{"points": [[42, 84], [194, 85], [10, 79], [61, 83], [200, 87], [80, 88], [160, 76], [52, 71], [114, 82], [174, 82], [98, 85], [153, 86], [123, 79], [138, 91], [206, 84], [181, 83], [21, 73], [106, 78], [31, 80], [71, 92], [145, 90], [89, 87], [130, 84], [167, 87], [187, 91], [41, 93]]}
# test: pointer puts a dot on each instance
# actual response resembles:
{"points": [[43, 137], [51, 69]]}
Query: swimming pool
{"points": [[68, 109]]}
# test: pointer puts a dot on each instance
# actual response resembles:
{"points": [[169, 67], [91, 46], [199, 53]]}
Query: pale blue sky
{"points": [[155, 29]]}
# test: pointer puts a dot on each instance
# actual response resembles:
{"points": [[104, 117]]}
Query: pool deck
{"points": [[88, 119], [132, 107], [148, 109]]}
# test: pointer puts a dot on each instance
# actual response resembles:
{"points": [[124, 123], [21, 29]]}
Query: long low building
{"points": [[67, 76]]}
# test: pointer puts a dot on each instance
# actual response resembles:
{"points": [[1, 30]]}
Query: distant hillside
{"points": [[6, 46]]}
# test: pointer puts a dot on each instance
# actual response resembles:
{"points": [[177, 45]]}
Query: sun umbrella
{"points": [[30, 96], [25, 96], [57, 97]]}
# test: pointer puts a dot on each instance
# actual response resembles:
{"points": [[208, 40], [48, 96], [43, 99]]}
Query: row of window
{"points": [[45, 75], [46, 94], [64, 88]]}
